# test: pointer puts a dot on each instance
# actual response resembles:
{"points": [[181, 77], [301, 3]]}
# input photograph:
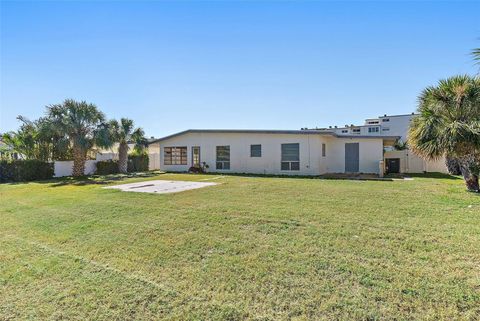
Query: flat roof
{"points": [[403, 115], [270, 131]]}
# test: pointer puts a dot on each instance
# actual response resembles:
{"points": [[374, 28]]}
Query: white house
{"points": [[350, 149], [396, 161], [289, 152], [394, 125]]}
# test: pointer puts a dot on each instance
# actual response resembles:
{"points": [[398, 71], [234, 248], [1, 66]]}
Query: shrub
{"points": [[138, 162], [25, 170], [107, 167], [196, 170]]}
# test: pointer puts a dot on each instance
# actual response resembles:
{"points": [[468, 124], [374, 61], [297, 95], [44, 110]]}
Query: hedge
{"points": [[137, 163], [25, 170], [107, 167]]}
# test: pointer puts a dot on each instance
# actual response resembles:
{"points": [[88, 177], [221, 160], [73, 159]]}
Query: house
{"points": [[395, 161], [7, 152], [288, 152], [368, 148], [393, 125]]}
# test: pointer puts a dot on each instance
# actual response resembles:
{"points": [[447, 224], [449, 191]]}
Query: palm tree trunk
{"points": [[453, 166], [471, 179], [79, 158], [123, 158]]}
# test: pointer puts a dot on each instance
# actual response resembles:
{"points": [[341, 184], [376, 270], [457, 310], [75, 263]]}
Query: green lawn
{"points": [[250, 248]]}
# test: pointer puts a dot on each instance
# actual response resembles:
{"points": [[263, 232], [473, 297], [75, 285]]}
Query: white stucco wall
{"points": [[411, 163], [65, 168], [370, 154], [311, 160]]}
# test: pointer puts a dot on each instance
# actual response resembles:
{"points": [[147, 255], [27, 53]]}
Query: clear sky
{"points": [[171, 66]]}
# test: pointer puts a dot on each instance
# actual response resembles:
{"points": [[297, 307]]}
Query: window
{"points": [[372, 122], [356, 130], [175, 156], [223, 157], [324, 150], [386, 119], [386, 129], [290, 157], [255, 150], [373, 129], [344, 131]]}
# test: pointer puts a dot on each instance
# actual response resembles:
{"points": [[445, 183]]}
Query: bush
{"points": [[138, 162], [107, 167], [25, 170], [196, 170]]}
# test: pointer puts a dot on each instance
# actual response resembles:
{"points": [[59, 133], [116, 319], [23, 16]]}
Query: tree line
{"points": [[448, 124], [72, 130]]}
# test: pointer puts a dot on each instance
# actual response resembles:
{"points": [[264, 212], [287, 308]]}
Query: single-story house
{"points": [[287, 152]]}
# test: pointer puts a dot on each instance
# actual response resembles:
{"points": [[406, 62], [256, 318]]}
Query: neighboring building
{"points": [[6, 152], [395, 125], [351, 149], [396, 161]]}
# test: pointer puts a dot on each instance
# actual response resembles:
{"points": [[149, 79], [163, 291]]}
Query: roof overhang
{"points": [[245, 131], [270, 131]]}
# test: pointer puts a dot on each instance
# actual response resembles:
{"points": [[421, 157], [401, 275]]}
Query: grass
{"points": [[250, 248]]}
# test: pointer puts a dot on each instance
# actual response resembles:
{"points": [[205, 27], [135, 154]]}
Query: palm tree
{"points": [[81, 123], [123, 133], [449, 124], [476, 55]]}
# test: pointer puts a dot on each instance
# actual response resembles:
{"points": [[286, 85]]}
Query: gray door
{"points": [[351, 157]]}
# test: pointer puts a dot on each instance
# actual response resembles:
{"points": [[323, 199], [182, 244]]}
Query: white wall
{"points": [[370, 150], [311, 160], [153, 161], [65, 168], [411, 163]]}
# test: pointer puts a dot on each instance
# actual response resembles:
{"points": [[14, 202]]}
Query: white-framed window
{"points": [[344, 131], [373, 129], [256, 150], [175, 155], [386, 119], [385, 129], [356, 130], [324, 150], [223, 157], [290, 157]]}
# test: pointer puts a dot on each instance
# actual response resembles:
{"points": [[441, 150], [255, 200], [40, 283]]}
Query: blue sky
{"points": [[171, 66]]}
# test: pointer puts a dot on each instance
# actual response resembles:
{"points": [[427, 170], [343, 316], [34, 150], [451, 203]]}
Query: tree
{"points": [[453, 166], [82, 124], [123, 133], [31, 140], [476, 55], [449, 124]]}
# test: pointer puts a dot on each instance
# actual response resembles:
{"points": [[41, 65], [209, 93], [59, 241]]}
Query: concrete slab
{"points": [[161, 186]]}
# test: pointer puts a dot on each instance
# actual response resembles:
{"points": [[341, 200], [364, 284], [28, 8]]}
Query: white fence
{"points": [[153, 161], [65, 168]]}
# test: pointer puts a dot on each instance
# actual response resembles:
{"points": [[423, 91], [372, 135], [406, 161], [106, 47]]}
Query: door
{"points": [[352, 159], [196, 156], [393, 165]]}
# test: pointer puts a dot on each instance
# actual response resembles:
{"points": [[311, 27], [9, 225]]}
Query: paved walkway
{"points": [[161, 186]]}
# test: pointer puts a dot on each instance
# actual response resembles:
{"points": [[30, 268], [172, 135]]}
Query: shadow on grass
{"points": [[436, 175], [333, 176], [91, 180], [98, 179]]}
